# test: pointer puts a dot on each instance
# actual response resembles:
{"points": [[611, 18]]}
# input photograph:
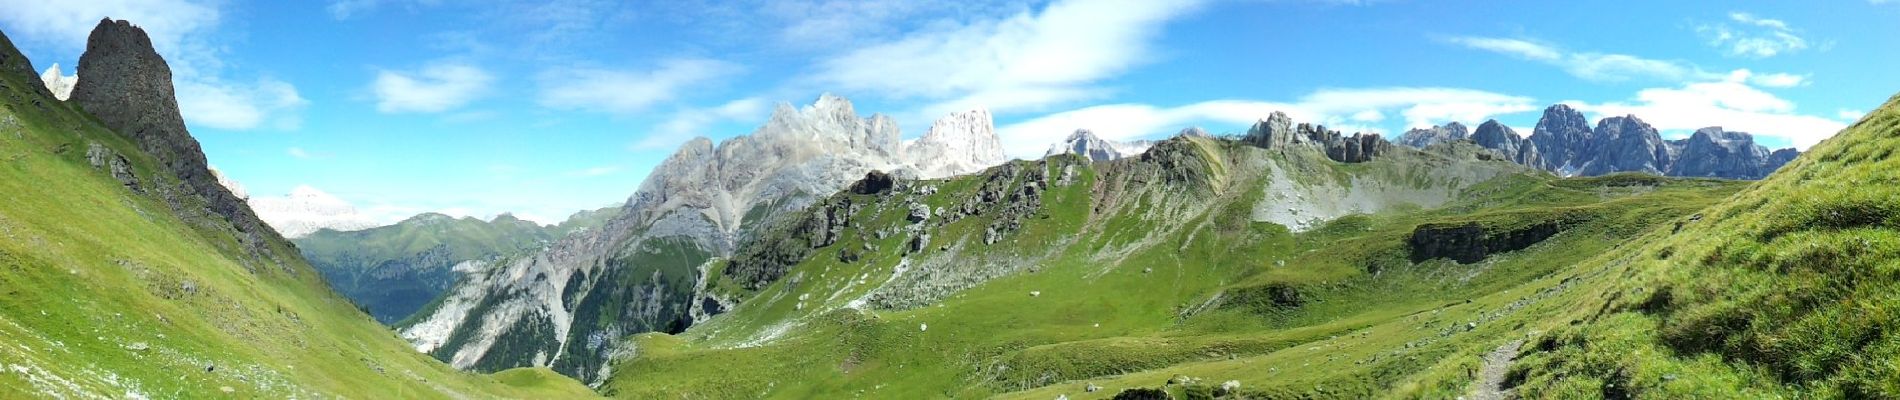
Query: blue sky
{"points": [[542, 108]]}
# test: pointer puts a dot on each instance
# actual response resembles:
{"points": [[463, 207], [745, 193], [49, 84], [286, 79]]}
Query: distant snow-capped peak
{"points": [[1084, 142], [60, 84], [306, 210]]}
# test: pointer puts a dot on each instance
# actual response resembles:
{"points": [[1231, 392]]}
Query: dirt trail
{"points": [[1490, 384]]}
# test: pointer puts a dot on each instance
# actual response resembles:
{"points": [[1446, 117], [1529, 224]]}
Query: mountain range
{"points": [[644, 271], [1564, 143], [822, 256], [392, 271]]}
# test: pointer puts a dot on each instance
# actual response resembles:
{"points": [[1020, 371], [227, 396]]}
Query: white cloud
{"points": [[689, 123], [1520, 48], [1346, 110], [623, 92], [1850, 115], [1730, 102], [183, 32], [268, 103], [299, 152], [1593, 66], [1755, 37], [1021, 62], [437, 88]]}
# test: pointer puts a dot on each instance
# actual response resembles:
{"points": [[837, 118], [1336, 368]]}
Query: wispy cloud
{"points": [[692, 122], [1022, 62], [1753, 36], [1603, 67], [1343, 109], [268, 103], [304, 154], [436, 88], [627, 91]]}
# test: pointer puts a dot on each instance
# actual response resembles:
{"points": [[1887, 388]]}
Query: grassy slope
{"points": [[106, 293], [1789, 289], [1192, 296]]}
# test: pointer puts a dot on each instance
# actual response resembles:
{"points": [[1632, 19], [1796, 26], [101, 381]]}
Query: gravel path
{"points": [[1490, 384]]}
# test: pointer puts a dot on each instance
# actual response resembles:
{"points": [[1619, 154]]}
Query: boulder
{"points": [[874, 182]]}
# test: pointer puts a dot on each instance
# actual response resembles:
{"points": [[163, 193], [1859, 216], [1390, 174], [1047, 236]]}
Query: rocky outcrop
{"points": [[104, 158], [1505, 141], [1277, 132], [1563, 143], [128, 86], [1420, 138], [957, 144], [60, 84], [874, 182], [1472, 242]]}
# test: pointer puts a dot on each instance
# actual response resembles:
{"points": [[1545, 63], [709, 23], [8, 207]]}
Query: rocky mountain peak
{"points": [[1564, 136], [128, 86], [1714, 152], [1193, 131], [1420, 138], [959, 143], [1084, 143], [1502, 139]]}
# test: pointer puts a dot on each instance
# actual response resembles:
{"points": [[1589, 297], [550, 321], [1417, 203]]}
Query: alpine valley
{"points": [[827, 255]]}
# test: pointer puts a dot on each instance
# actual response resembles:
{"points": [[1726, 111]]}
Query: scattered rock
{"points": [[923, 327], [1035, 293], [1092, 388], [138, 346], [918, 213], [1229, 387], [227, 389]]}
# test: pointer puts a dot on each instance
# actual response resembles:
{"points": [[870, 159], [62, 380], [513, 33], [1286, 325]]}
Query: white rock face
{"points": [[230, 184], [60, 84], [957, 144], [1084, 142], [306, 210], [707, 194]]}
